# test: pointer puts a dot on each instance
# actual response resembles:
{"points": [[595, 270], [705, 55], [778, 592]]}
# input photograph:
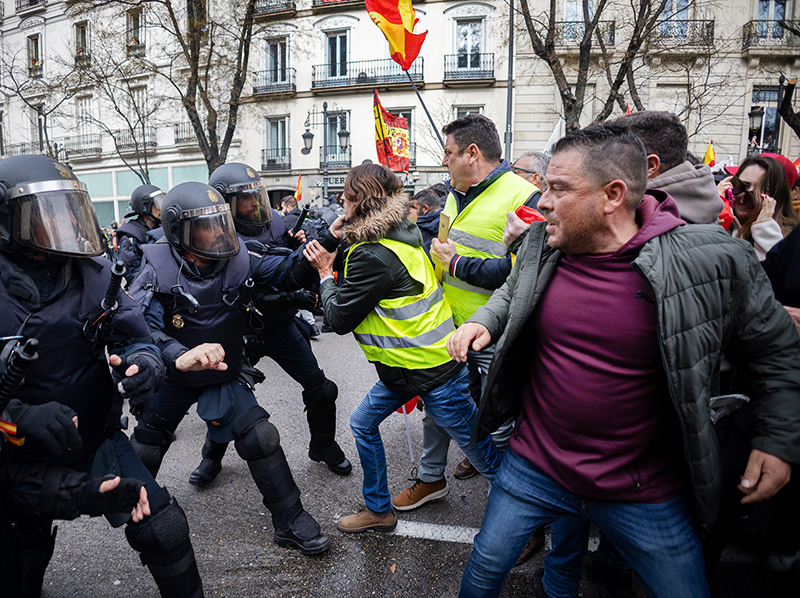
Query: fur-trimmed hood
{"points": [[390, 222]]}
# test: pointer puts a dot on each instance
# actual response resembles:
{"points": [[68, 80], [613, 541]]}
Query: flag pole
{"points": [[424, 107]]}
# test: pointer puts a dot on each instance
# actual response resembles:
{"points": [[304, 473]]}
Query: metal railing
{"points": [[36, 72], [266, 7], [329, 2], [337, 157], [683, 33], [82, 57], [82, 145], [23, 5], [275, 80], [124, 139], [18, 149], [276, 159], [136, 49], [469, 66], [184, 133], [364, 72], [570, 33], [769, 34]]}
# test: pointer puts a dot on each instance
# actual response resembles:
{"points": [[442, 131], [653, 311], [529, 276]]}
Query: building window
{"points": [[81, 41], [37, 127], [277, 60], [674, 19], [769, 13], [459, 111], [84, 115], [573, 15], [336, 50], [765, 138], [198, 19], [469, 43], [35, 55], [277, 134], [135, 32]]}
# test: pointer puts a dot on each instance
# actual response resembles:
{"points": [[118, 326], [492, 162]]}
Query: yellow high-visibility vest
{"points": [[478, 232], [408, 332]]}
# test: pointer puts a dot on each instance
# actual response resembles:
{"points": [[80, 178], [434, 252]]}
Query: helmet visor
{"points": [[209, 232], [57, 217], [250, 204]]}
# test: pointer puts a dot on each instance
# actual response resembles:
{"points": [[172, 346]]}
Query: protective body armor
{"points": [[217, 319], [68, 371], [134, 228], [478, 232], [273, 233], [408, 332]]}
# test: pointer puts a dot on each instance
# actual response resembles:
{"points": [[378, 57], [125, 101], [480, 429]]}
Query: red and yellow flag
{"points": [[396, 19], [710, 157], [297, 189], [391, 138]]}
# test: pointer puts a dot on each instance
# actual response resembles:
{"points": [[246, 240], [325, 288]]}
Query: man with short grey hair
{"points": [[532, 166]]}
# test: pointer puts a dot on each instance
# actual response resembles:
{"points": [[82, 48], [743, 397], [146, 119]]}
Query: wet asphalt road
{"points": [[232, 531]]}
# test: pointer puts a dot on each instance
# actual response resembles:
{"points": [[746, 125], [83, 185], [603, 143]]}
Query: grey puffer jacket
{"points": [[712, 297]]}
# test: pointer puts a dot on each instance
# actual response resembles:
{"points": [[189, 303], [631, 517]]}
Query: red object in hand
{"points": [[528, 215], [726, 215], [408, 406]]}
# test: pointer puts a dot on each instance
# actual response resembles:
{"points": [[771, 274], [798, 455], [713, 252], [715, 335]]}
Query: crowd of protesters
{"points": [[609, 331]]}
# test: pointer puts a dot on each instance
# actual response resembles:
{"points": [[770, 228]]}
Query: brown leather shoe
{"points": [[419, 493], [534, 544], [366, 520], [464, 470]]}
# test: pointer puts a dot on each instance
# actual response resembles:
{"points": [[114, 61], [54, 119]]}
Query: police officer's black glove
{"points": [[140, 387], [48, 429], [121, 499], [302, 299], [250, 376]]}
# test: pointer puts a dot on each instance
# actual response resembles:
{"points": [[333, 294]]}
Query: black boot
{"points": [[293, 525], [35, 545], [320, 401], [211, 464]]}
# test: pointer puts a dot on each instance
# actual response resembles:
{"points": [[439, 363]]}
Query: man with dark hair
{"points": [[666, 142], [610, 330], [482, 190], [288, 204], [427, 206]]}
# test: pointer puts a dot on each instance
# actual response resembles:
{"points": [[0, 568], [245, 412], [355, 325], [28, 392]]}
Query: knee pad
{"points": [[256, 437], [151, 445], [324, 393], [162, 533]]}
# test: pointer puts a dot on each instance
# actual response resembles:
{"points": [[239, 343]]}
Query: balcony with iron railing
{"points": [[82, 57], [337, 157], [32, 147], [276, 159], [679, 34], [568, 35], [275, 81], [142, 141], [136, 49], [469, 69], [767, 37], [334, 5], [36, 70], [364, 75], [274, 8], [184, 134], [83, 146], [29, 6]]}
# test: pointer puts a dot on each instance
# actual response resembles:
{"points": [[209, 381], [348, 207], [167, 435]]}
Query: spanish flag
{"points": [[396, 19], [297, 189], [710, 157], [391, 137]]}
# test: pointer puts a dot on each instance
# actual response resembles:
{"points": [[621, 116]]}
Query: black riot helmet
{"points": [[43, 206], [143, 198], [196, 218], [241, 187]]}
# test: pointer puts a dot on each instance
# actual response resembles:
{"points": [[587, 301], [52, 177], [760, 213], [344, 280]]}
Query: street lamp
{"points": [[308, 139], [756, 116]]}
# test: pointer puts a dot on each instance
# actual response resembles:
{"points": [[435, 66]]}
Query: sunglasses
{"points": [[741, 187]]}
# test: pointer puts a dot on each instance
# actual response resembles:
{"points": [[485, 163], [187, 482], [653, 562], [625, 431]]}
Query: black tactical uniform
{"points": [[145, 204], [51, 287], [192, 287]]}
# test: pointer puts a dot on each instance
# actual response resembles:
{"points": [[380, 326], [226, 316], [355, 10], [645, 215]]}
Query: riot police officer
{"points": [[52, 288], [275, 332], [143, 228], [193, 289]]}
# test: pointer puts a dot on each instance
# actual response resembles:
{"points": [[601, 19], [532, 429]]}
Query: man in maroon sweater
{"points": [[610, 329]]}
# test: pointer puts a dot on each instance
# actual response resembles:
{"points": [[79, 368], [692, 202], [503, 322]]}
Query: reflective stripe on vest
{"points": [[408, 332], [477, 231]]}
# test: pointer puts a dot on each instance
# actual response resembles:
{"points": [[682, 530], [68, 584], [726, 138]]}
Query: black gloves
{"points": [[140, 387], [250, 376], [48, 429], [121, 499], [302, 299]]}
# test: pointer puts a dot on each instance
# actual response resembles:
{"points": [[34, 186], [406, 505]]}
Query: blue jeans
{"points": [[659, 540], [449, 405], [436, 441]]}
